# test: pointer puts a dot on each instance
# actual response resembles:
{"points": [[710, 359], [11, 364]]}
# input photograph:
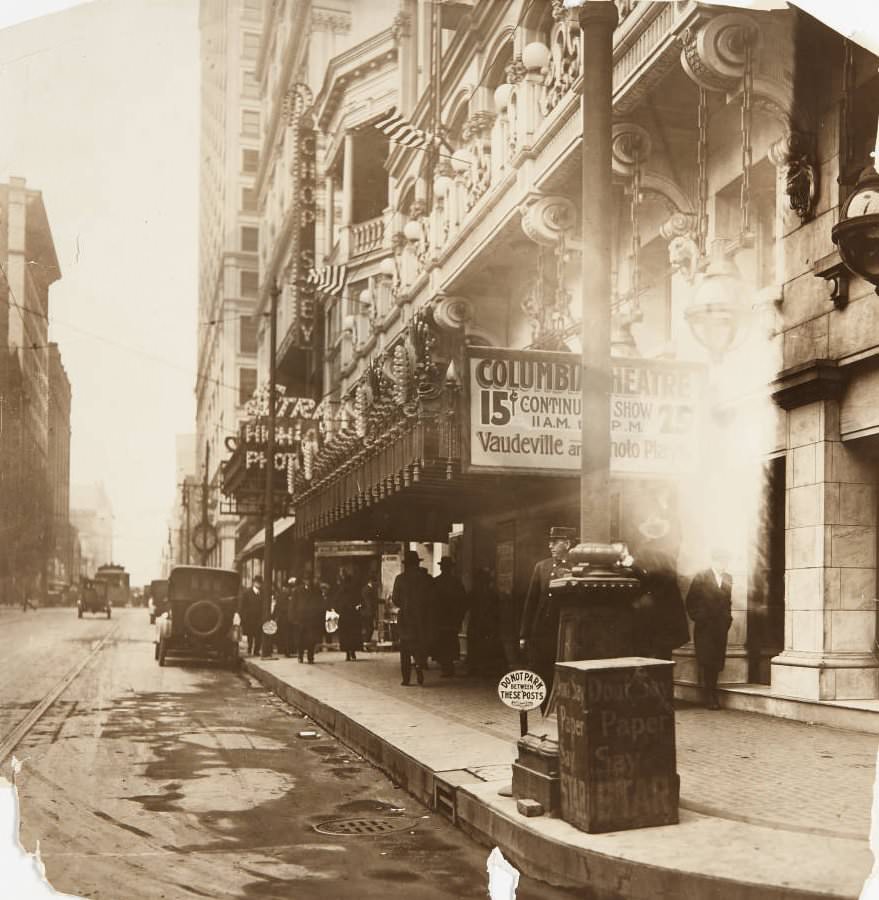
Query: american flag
{"points": [[401, 131], [329, 279]]}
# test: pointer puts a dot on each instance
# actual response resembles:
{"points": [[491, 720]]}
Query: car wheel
{"points": [[161, 651]]}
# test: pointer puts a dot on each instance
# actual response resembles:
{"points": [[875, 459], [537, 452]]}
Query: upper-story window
{"points": [[246, 384], [249, 84], [250, 45], [249, 337], [249, 283], [249, 160], [250, 122], [248, 200], [370, 194], [249, 239]]}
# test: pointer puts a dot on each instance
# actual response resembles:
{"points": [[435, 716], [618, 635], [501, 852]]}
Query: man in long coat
{"points": [[539, 628], [412, 595], [709, 603], [250, 612], [308, 608], [450, 604]]}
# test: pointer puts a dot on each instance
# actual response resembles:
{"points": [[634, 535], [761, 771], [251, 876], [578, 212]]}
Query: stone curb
{"points": [[493, 821]]}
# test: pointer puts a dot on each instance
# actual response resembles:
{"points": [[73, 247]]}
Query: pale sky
{"points": [[100, 111]]}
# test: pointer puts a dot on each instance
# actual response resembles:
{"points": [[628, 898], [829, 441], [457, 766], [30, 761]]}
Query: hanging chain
{"points": [[562, 302], [702, 164], [848, 86], [747, 151], [540, 293], [636, 234]]}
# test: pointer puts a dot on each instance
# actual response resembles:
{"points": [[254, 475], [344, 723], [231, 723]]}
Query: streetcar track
{"points": [[22, 729]]}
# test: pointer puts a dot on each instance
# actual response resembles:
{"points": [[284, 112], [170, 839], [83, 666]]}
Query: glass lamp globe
{"points": [[502, 96], [857, 232], [716, 310], [387, 267], [412, 230], [535, 56]]}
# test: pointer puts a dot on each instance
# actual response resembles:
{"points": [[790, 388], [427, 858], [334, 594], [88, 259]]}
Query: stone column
{"points": [[347, 194], [329, 213], [830, 551]]}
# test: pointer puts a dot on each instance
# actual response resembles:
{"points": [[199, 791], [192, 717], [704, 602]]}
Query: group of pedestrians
{"points": [[304, 611]]}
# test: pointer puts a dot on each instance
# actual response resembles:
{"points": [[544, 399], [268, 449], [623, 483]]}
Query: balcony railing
{"points": [[367, 236]]}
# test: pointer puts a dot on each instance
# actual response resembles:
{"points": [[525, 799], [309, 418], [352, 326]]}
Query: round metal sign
{"points": [[270, 627], [522, 689]]}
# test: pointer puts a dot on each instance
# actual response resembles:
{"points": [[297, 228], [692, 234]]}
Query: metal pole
{"points": [[267, 574], [598, 19], [186, 536], [203, 553]]}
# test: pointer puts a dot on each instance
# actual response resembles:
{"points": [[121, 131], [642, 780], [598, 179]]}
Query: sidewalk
{"points": [[769, 808]]}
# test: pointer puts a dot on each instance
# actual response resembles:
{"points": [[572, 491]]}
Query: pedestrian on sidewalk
{"points": [[310, 610], [250, 613], [709, 603], [346, 602], [369, 606], [412, 595], [483, 635], [539, 629], [661, 624], [450, 604], [287, 622]]}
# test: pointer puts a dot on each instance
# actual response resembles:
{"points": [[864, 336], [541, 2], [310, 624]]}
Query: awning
{"points": [[258, 541]]}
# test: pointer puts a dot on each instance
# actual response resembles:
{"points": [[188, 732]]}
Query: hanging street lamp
{"points": [[857, 232], [718, 308]]}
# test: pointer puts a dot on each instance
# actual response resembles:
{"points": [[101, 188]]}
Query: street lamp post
{"points": [[267, 575], [598, 19]]}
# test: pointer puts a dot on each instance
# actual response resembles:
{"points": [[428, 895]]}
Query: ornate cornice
{"points": [[820, 379]]}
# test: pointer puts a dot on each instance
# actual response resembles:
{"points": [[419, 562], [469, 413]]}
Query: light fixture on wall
{"points": [[717, 311], [857, 232]]}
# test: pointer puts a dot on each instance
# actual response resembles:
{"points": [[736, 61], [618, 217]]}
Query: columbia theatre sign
{"points": [[525, 408]]}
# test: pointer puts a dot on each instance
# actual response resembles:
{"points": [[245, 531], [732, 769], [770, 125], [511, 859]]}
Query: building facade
{"points": [[446, 372], [229, 236], [61, 572], [92, 515], [29, 266]]}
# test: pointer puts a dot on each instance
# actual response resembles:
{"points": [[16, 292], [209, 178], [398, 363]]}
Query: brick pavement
{"points": [[734, 765]]}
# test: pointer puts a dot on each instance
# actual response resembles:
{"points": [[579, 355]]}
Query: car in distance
{"points": [[94, 597], [200, 617]]}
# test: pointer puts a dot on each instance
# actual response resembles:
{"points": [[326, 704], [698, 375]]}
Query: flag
{"points": [[401, 131], [329, 279]]}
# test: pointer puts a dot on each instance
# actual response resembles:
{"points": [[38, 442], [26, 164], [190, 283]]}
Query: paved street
{"points": [[191, 781]]}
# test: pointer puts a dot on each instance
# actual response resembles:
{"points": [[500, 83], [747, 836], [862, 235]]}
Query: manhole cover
{"points": [[365, 826]]}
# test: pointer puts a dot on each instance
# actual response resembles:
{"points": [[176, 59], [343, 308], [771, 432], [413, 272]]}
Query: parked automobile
{"points": [[93, 597], [158, 598], [200, 618]]}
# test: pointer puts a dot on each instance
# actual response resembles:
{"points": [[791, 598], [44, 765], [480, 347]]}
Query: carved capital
{"points": [[330, 20], [515, 71], [628, 141], [479, 123], [546, 219], [401, 27], [793, 154], [683, 251], [713, 55]]}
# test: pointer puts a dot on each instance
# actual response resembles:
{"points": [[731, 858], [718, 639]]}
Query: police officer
{"points": [[539, 629]]}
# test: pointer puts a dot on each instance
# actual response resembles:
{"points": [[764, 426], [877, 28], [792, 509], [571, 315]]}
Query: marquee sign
{"points": [[525, 413]]}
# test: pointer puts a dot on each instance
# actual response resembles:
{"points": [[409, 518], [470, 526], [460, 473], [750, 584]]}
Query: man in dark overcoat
{"points": [[450, 604], [539, 628], [709, 604], [308, 608], [413, 596], [250, 612]]}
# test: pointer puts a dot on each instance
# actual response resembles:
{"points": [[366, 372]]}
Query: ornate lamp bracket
{"points": [[832, 269], [713, 54], [793, 154], [683, 248], [546, 218]]}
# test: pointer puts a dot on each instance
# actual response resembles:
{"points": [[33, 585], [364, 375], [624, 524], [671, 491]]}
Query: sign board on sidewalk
{"points": [[522, 690], [525, 413]]}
